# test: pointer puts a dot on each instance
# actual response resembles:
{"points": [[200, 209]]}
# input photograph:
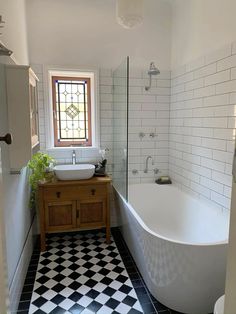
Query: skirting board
{"points": [[21, 270]]}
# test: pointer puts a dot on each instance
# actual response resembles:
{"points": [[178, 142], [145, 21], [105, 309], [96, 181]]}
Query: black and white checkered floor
{"points": [[80, 273]]}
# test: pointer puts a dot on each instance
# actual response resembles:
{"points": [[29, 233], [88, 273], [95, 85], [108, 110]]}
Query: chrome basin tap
{"points": [[147, 159], [73, 157]]}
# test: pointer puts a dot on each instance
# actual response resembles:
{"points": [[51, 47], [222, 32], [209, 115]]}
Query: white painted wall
{"points": [[200, 27], [86, 33], [18, 217], [14, 34]]}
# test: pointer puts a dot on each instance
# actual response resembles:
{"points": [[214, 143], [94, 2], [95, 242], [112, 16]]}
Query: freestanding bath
{"points": [[179, 245]]}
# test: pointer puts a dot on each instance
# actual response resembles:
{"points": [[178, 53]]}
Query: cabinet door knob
{"points": [[58, 194], [93, 191]]}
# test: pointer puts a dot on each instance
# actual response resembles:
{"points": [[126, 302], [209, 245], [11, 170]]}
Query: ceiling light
{"points": [[129, 13]]}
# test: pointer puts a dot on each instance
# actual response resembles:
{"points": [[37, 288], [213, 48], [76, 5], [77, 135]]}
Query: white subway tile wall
{"points": [[106, 117], [186, 122], [106, 129], [202, 126], [149, 113]]}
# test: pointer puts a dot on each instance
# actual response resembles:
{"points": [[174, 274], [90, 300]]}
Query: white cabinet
{"points": [[21, 85]]}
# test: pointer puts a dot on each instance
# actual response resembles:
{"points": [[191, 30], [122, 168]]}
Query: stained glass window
{"points": [[72, 111]]}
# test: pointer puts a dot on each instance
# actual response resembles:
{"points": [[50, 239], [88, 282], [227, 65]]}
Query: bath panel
{"points": [[184, 270]]}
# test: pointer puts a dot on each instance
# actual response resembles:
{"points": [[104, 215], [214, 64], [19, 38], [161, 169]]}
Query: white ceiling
{"points": [[85, 32]]}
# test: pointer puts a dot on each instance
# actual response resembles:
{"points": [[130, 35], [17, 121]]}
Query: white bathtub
{"points": [[179, 245]]}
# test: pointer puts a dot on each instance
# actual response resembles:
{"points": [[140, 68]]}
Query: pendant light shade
{"points": [[129, 13]]}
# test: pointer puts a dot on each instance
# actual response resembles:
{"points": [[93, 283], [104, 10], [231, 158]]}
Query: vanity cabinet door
{"points": [[91, 213], [60, 216]]}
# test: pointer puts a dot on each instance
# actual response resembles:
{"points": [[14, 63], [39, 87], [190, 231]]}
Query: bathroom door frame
{"points": [[4, 291]]}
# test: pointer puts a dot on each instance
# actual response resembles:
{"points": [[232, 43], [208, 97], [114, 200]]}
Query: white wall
{"points": [[200, 27], [14, 34], [18, 216], [85, 33]]}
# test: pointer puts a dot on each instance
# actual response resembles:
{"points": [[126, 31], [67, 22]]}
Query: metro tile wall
{"points": [[148, 114], [202, 126], [85, 155], [194, 128], [106, 129]]}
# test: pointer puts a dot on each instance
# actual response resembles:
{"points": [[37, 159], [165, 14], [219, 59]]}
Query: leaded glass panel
{"points": [[71, 101]]}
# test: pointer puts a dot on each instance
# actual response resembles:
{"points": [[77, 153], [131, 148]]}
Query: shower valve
{"points": [[141, 135]]}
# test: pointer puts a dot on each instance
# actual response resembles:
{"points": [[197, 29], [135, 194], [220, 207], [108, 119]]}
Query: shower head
{"points": [[153, 70], [4, 51]]}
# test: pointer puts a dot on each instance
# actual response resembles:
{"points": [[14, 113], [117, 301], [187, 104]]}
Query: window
{"points": [[71, 97]]}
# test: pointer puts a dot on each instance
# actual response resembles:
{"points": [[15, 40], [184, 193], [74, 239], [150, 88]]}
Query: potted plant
{"points": [[38, 165]]}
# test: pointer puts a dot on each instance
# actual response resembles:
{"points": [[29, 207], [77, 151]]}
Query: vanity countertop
{"points": [[93, 180]]}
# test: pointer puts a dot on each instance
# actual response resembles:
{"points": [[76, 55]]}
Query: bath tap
{"points": [[73, 157], [147, 159]]}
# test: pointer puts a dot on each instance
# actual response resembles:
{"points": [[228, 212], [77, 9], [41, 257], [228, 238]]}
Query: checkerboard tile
{"points": [[80, 273]]}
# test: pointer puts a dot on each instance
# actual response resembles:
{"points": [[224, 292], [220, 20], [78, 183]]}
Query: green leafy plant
{"points": [[37, 165]]}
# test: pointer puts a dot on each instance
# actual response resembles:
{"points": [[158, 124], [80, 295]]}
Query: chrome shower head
{"points": [[153, 70]]}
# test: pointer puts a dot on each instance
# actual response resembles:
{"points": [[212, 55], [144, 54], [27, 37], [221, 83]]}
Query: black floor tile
{"points": [[148, 308], [94, 306], [137, 283], [23, 305], [76, 309], [26, 296], [28, 288]]}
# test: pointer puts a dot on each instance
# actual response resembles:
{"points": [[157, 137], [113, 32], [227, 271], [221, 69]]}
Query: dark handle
{"points": [[58, 194], [93, 191], [7, 138], [77, 213]]}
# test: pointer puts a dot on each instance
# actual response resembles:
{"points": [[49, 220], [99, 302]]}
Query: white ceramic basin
{"points": [[74, 172]]}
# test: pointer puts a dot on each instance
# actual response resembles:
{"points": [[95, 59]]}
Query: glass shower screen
{"points": [[120, 127]]}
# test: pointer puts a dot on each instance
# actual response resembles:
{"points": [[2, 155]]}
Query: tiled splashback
{"points": [[202, 126]]}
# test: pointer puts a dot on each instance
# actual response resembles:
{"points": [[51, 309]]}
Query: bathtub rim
{"points": [[141, 222]]}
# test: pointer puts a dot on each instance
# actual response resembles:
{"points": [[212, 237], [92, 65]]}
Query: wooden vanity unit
{"points": [[74, 205]]}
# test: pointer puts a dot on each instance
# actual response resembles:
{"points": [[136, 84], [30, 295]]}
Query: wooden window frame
{"points": [[75, 143]]}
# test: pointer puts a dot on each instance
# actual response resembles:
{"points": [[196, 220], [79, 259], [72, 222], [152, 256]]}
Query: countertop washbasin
{"points": [[74, 172]]}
